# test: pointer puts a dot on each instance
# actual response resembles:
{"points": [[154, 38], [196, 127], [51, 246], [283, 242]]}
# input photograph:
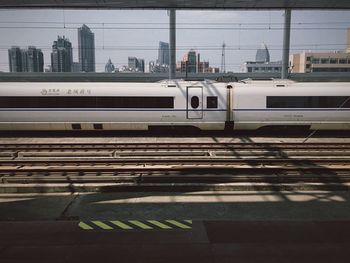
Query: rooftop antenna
{"points": [[223, 66]]}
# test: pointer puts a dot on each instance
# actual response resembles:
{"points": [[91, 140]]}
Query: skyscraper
{"points": [[33, 59], [86, 46], [15, 59], [163, 53], [262, 54], [62, 55], [26, 60], [141, 64], [136, 64], [109, 68], [189, 61]]}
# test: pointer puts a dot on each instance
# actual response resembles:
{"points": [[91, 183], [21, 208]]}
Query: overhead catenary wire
{"points": [[166, 23], [300, 47], [177, 28]]}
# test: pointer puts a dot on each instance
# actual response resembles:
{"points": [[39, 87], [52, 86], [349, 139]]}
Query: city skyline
{"points": [[117, 41]]}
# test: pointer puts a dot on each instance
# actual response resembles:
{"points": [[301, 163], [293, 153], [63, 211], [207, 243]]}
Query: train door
{"points": [[195, 102]]}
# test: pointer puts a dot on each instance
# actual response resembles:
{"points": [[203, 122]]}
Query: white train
{"points": [[207, 105]]}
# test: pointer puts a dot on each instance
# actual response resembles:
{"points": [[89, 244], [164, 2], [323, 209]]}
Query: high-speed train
{"points": [[207, 105]]}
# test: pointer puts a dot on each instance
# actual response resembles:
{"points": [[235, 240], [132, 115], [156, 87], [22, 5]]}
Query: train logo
{"points": [[50, 92]]}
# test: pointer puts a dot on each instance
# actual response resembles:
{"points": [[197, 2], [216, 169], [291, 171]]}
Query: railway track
{"points": [[175, 163]]}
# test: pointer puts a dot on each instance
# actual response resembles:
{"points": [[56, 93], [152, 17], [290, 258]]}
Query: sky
{"points": [[123, 33]]}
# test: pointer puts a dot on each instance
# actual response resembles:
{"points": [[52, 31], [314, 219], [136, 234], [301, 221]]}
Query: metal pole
{"points": [[286, 43], [172, 40]]}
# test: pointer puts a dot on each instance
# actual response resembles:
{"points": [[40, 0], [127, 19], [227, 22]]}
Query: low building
{"points": [[307, 62], [262, 67], [262, 63], [154, 67]]}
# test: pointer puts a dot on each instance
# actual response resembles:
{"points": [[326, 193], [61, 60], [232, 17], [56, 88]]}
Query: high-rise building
{"points": [[163, 53], [189, 61], [132, 63], [33, 60], [141, 65], [26, 60], [109, 68], [62, 55], [136, 64], [262, 54], [86, 46], [15, 59]]}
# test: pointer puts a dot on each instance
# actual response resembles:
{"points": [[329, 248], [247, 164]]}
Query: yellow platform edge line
{"points": [[84, 226], [102, 225], [160, 224], [188, 221], [178, 224], [121, 225], [140, 224]]}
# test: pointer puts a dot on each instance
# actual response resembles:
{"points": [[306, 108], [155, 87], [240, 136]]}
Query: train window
{"points": [[86, 102], [76, 126], [135, 102], [212, 102], [98, 126], [308, 102], [194, 102]]}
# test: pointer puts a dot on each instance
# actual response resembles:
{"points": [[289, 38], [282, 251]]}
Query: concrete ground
{"points": [[235, 205], [180, 227], [145, 137]]}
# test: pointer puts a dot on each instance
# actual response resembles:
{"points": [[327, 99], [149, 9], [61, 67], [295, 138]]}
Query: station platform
{"points": [[175, 227], [205, 241]]}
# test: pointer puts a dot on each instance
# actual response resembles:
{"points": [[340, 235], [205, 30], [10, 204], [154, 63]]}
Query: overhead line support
{"points": [[172, 43], [286, 43]]}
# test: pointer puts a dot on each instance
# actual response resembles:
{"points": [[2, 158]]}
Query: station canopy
{"points": [[178, 4]]}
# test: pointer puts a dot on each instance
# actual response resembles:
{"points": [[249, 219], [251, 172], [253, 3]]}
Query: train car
{"points": [[207, 105], [317, 105], [112, 106]]}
